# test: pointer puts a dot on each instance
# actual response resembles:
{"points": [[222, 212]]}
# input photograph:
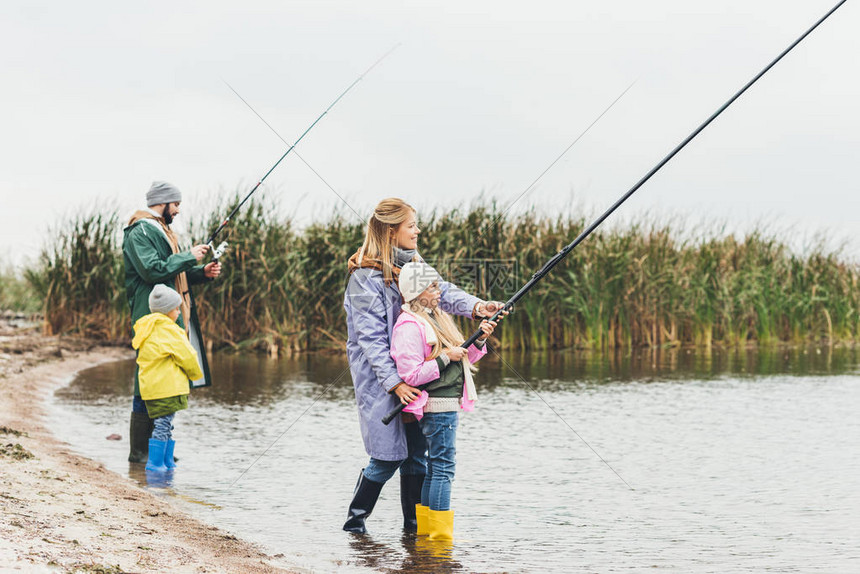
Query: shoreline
{"points": [[63, 512]]}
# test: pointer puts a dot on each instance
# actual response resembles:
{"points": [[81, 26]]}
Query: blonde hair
{"points": [[447, 333], [389, 214]]}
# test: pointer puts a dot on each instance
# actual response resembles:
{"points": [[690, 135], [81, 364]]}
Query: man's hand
{"points": [[405, 393], [212, 270], [199, 251]]}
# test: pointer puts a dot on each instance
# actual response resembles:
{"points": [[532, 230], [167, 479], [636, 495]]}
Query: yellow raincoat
{"points": [[166, 359]]}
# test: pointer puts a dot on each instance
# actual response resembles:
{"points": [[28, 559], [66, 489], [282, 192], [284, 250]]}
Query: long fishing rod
{"points": [[556, 259], [227, 219]]}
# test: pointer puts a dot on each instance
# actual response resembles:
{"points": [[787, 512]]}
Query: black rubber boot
{"points": [[410, 495], [139, 433], [363, 501]]}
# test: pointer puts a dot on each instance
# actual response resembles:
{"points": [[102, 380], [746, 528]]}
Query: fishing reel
{"points": [[217, 252]]}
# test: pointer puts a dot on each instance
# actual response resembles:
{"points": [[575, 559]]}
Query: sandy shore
{"points": [[65, 513]]}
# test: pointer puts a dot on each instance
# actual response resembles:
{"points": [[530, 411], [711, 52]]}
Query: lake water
{"points": [[572, 462]]}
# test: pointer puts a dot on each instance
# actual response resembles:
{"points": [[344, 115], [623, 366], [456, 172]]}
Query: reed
{"points": [[281, 288], [16, 294], [645, 284], [79, 277]]}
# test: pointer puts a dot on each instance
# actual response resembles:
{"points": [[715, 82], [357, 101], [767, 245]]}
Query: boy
{"points": [[167, 363]]}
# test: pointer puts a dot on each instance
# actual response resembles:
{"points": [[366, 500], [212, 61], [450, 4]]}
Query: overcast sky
{"points": [[480, 97]]}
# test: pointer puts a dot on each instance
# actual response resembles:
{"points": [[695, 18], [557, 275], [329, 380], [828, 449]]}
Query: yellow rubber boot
{"points": [[441, 524], [421, 517]]}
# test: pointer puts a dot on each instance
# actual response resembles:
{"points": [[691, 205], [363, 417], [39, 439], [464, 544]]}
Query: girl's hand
{"points": [[455, 354], [487, 327], [406, 394]]}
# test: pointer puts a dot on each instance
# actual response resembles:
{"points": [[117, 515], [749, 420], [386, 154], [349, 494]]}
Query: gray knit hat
{"points": [[163, 299], [162, 192]]}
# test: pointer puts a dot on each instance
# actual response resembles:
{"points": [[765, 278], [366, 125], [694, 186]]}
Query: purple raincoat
{"points": [[371, 311]]}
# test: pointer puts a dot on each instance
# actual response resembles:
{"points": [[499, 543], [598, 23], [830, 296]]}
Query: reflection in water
{"points": [[162, 483], [159, 479], [643, 365], [414, 554], [741, 460], [432, 556], [254, 380], [246, 381]]}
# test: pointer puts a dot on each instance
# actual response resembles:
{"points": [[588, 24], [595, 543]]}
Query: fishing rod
{"points": [[556, 259], [218, 251]]}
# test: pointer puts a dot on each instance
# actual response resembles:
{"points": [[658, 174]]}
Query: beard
{"points": [[168, 219]]}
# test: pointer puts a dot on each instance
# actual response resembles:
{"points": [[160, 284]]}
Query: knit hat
{"points": [[415, 277], [163, 299], [162, 192]]}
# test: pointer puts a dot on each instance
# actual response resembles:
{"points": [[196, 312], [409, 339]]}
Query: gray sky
{"points": [[481, 96]]}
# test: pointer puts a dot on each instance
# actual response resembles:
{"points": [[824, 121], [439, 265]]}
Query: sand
{"points": [[62, 512]]}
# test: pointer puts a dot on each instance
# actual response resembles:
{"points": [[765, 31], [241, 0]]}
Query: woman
{"points": [[372, 302]]}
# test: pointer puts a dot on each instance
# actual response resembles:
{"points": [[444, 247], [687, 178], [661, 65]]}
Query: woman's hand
{"points": [[489, 308], [405, 393], [487, 327], [455, 353]]}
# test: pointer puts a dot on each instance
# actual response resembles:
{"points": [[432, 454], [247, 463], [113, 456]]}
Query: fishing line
{"points": [[286, 153], [274, 131], [561, 155], [558, 257], [573, 430], [292, 424]]}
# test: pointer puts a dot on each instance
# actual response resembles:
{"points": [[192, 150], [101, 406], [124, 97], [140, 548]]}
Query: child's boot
{"points": [[169, 462], [440, 524], [421, 519], [156, 455]]}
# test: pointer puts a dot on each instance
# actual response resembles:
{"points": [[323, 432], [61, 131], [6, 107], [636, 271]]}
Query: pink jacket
{"points": [[409, 349]]}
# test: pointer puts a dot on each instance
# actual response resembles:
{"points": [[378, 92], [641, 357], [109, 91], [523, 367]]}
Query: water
{"points": [[738, 462]]}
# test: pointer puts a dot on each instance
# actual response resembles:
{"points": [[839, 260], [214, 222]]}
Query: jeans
{"points": [[440, 430], [163, 427], [138, 405], [415, 462]]}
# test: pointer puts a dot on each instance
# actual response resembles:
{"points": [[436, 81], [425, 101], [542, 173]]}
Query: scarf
{"points": [[181, 281], [403, 256], [400, 257]]}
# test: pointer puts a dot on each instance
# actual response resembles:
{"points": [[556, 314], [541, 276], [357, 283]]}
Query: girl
{"points": [[425, 345], [372, 303]]}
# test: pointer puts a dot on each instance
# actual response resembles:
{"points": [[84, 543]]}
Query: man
{"points": [[151, 253]]}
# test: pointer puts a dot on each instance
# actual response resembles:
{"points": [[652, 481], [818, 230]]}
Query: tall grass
{"points": [[80, 279], [16, 294], [646, 284], [281, 288]]}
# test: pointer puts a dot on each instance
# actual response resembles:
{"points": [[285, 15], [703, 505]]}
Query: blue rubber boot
{"points": [[169, 462], [156, 456]]}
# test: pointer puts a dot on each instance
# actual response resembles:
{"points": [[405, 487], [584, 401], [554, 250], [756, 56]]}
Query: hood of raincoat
{"points": [[145, 326]]}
